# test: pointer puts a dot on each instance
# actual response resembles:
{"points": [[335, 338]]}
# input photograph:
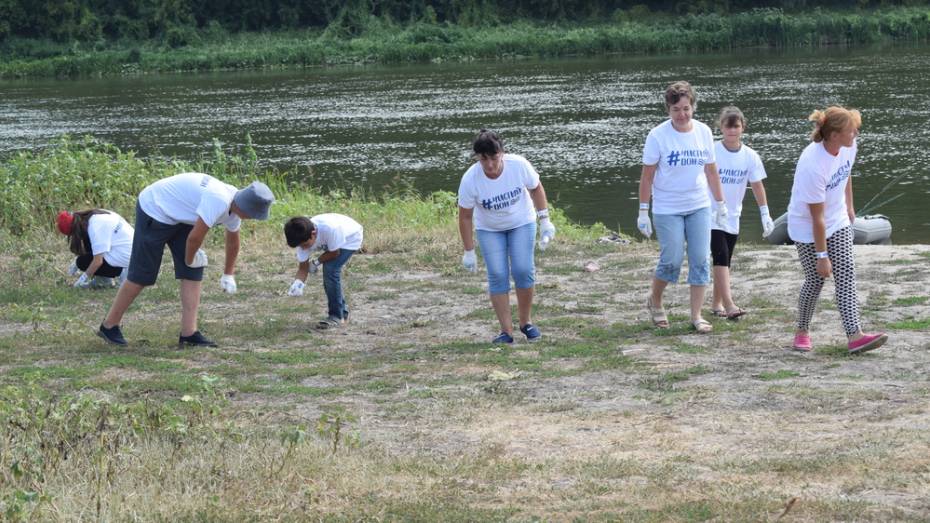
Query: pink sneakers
{"points": [[866, 343], [802, 342]]}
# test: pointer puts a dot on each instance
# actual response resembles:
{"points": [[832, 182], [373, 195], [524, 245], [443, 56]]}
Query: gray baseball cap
{"points": [[254, 200]]}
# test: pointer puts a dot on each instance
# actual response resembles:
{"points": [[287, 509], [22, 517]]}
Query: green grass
{"points": [[781, 374], [913, 324], [910, 301]]}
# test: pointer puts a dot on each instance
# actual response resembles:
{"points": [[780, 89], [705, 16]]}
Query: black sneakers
{"points": [[112, 335], [196, 340]]}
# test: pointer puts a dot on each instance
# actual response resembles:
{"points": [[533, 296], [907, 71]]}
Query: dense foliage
{"points": [[178, 22]]}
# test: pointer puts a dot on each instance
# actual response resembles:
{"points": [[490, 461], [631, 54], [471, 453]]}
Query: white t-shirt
{"points": [[820, 177], [111, 236], [333, 232], [503, 203], [184, 197], [680, 185], [736, 170]]}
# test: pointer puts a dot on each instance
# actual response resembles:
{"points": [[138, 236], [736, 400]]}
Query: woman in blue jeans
{"points": [[501, 197], [678, 167]]}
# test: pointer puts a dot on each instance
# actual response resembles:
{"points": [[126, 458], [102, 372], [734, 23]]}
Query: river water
{"points": [[581, 122]]}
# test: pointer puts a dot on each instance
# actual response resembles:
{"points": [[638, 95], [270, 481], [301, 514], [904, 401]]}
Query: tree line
{"points": [[173, 20]]}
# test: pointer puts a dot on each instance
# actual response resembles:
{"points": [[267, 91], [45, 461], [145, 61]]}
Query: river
{"points": [[581, 122]]}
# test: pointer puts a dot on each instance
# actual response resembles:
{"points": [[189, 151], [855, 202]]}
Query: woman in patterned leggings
{"points": [[820, 217]]}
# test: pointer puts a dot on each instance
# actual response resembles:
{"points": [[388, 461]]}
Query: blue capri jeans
{"points": [[509, 253], [673, 231]]}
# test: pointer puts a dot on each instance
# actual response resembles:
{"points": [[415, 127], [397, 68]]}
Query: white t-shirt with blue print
{"points": [[503, 203], [680, 185], [820, 177], [184, 197], [737, 170], [333, 232], [111, 236]]}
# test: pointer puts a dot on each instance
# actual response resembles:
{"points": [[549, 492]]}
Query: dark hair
{"points": [[487, 142], [79, 240], [678, 90], [298, 230], [729, 116]]}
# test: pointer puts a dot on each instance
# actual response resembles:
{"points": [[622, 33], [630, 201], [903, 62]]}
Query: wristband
{"points": [[823, 254], [542, 214], [316, 263], [644, 206], [763, 209]]}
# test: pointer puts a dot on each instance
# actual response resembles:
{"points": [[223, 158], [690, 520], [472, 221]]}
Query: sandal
{"points": [[659, 319], [735, 315], [718, 313], [702, 326], [328, 323]]}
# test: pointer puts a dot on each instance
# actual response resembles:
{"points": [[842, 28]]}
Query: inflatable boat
{"points": [[874, 229]]}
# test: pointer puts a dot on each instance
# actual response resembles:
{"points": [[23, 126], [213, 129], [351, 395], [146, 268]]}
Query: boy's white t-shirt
{"points": [[820, 177], [334, 231], [184, 197], [111, 236], [737, 169], [503, 203], [680, 185]]}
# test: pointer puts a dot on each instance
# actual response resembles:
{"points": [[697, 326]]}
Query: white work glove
{"points": [[470, 261], [721, 214], [546, 229], [297, 288], [228, 283], [200, 259], [314, 266], [83, 282], [643, 223], [73, 268], [767, 224]]}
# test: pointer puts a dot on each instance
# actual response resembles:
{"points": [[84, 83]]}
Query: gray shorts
{"points": [[148, 246]]}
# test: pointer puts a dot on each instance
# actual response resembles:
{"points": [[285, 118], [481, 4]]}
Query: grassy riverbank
{"points": [[375, 40], [408, 413]]}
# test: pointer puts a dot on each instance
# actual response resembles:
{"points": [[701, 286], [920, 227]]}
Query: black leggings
{"points": [[106, 270], [839, 246]]}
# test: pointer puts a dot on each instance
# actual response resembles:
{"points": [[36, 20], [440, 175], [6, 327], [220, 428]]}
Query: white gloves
{"points": [[721, 214], [314, 266], [470, 261], [297, 288], [767, 224], [546, 229], [83, 282], [200, 260], [228, 283], [643, 223]]}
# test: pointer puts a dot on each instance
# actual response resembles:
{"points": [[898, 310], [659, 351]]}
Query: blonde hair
{"points": [[832, 120]]}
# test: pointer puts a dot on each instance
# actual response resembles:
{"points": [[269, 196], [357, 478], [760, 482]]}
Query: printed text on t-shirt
{"points": [[503, 200], [841, 174], [687, 157], [734, 176]]}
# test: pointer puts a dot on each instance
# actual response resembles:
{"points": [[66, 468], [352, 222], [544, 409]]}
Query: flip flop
{"points": [[735, 315], [658, 316]]}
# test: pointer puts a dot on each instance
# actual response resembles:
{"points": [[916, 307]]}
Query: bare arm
{"points": [[232, 251], [645, 182], [94, 265], [195, 240], [303, 269], [713, 181], [467, 226], [850, 209], [538, 195], [758, 190], [820, 226]]}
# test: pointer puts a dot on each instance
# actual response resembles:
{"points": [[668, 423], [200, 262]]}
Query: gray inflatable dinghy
{"points": [[873, 229]]}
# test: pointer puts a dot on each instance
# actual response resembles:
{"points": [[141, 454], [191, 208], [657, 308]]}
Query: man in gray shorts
{"points": [[178, 211]]}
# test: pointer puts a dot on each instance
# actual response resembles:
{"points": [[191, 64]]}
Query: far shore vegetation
{"points": [[87, 40]]}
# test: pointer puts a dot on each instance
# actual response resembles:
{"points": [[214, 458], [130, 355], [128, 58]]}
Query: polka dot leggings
{"points": [[844, 277]]}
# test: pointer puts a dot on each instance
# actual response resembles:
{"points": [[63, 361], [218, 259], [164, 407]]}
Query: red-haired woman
{"points": [[820, 217], [101, 240]]}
